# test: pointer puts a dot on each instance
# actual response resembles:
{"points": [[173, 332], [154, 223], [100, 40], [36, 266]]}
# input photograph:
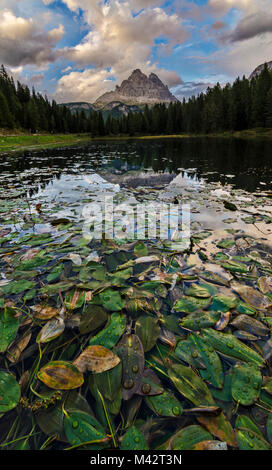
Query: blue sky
{"points": [[75, 50]]}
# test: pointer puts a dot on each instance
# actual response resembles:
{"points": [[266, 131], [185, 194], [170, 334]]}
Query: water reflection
{"points": [[244, 164]]}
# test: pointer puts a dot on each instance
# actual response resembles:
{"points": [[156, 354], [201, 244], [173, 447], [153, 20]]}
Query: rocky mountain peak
{"points": [[138, 89]]}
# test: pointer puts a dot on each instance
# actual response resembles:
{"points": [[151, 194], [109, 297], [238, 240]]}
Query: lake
{"points": [[156, 333]]}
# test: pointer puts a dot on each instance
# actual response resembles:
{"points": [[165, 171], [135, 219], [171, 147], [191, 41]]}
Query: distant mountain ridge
{"points": [[131, 96], [259, 69]]}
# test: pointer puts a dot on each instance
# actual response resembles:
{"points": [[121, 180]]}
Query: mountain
{"points": [[117, 109], [259, 69], [138, 89], [79, 106]]}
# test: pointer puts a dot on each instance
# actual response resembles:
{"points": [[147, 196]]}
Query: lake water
{"points": [[243, 164], [201, 311]]}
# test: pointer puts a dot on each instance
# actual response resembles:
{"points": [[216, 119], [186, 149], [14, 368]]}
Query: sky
{"points": [[76, 50]]}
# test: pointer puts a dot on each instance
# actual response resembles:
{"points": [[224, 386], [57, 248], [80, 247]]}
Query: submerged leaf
{"points": [[246, 384], [9, 392], [96, 359], [131, 352], [165, 404], [9, 325], [81, 427], [61, 375], [227, 344], [188, 437], [133, 440], [190, 385]]}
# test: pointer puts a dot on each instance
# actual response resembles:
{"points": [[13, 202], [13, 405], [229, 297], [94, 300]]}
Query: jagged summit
{"points": [[259, 69], [138, 89]]}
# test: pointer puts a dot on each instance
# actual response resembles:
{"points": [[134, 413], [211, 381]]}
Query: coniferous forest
{"points": [[246, 104]]}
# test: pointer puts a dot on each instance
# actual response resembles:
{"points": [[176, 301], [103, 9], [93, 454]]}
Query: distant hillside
{"points": [[79, 106], [259, 69], [115, 109]]}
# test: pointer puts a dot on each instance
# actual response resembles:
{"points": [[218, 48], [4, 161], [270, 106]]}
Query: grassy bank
{"points": [[20, 142]]}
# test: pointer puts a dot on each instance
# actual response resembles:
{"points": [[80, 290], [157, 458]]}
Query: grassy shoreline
{"points": [[19, 142]]}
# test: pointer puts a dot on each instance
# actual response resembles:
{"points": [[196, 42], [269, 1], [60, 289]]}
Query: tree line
{"points": [[245, 104]]}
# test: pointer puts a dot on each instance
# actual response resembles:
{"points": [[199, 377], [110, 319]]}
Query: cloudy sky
{"points": [[75, 50]]}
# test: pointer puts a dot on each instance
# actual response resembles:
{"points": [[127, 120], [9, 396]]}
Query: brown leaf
{"points": [[30, 254], [45, 312], [223, 321], [251, 296], [14, 353], [96, 359], [51, 330], [219, 427]]}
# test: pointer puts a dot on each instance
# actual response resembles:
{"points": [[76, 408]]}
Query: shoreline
{"points": [[12, 143]]}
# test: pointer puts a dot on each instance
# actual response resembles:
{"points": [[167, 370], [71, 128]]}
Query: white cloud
{"points": [[248, 6], [83, 86], [120, 41], [241, 58], [23, 41]]}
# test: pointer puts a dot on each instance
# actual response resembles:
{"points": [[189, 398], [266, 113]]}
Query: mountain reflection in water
{"points": [[244, 164]]}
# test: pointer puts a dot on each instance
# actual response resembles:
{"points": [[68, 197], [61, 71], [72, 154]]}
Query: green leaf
{"points": [[140, 249], [189, 304], [111, 300], [16, 287], [134, 440], [10, 392], [198, 320], [113, 331], [246, 384], [165, 404], [213, 372], [199, 290], [190, 385], [249, 440], [188, 437], [227, 344], [81, 427], [148, 330], [223, 303], [108, 383], [9, 325], [93, 317], [226, 243]]}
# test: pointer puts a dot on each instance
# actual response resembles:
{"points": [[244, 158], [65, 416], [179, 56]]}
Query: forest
{"points": [[245, 104]]}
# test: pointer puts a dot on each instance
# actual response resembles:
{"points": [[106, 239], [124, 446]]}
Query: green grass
{"points": [[10, 143], [20, 142]]}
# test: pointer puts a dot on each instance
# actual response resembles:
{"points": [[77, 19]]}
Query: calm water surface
{"points": [[60, 173]]}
